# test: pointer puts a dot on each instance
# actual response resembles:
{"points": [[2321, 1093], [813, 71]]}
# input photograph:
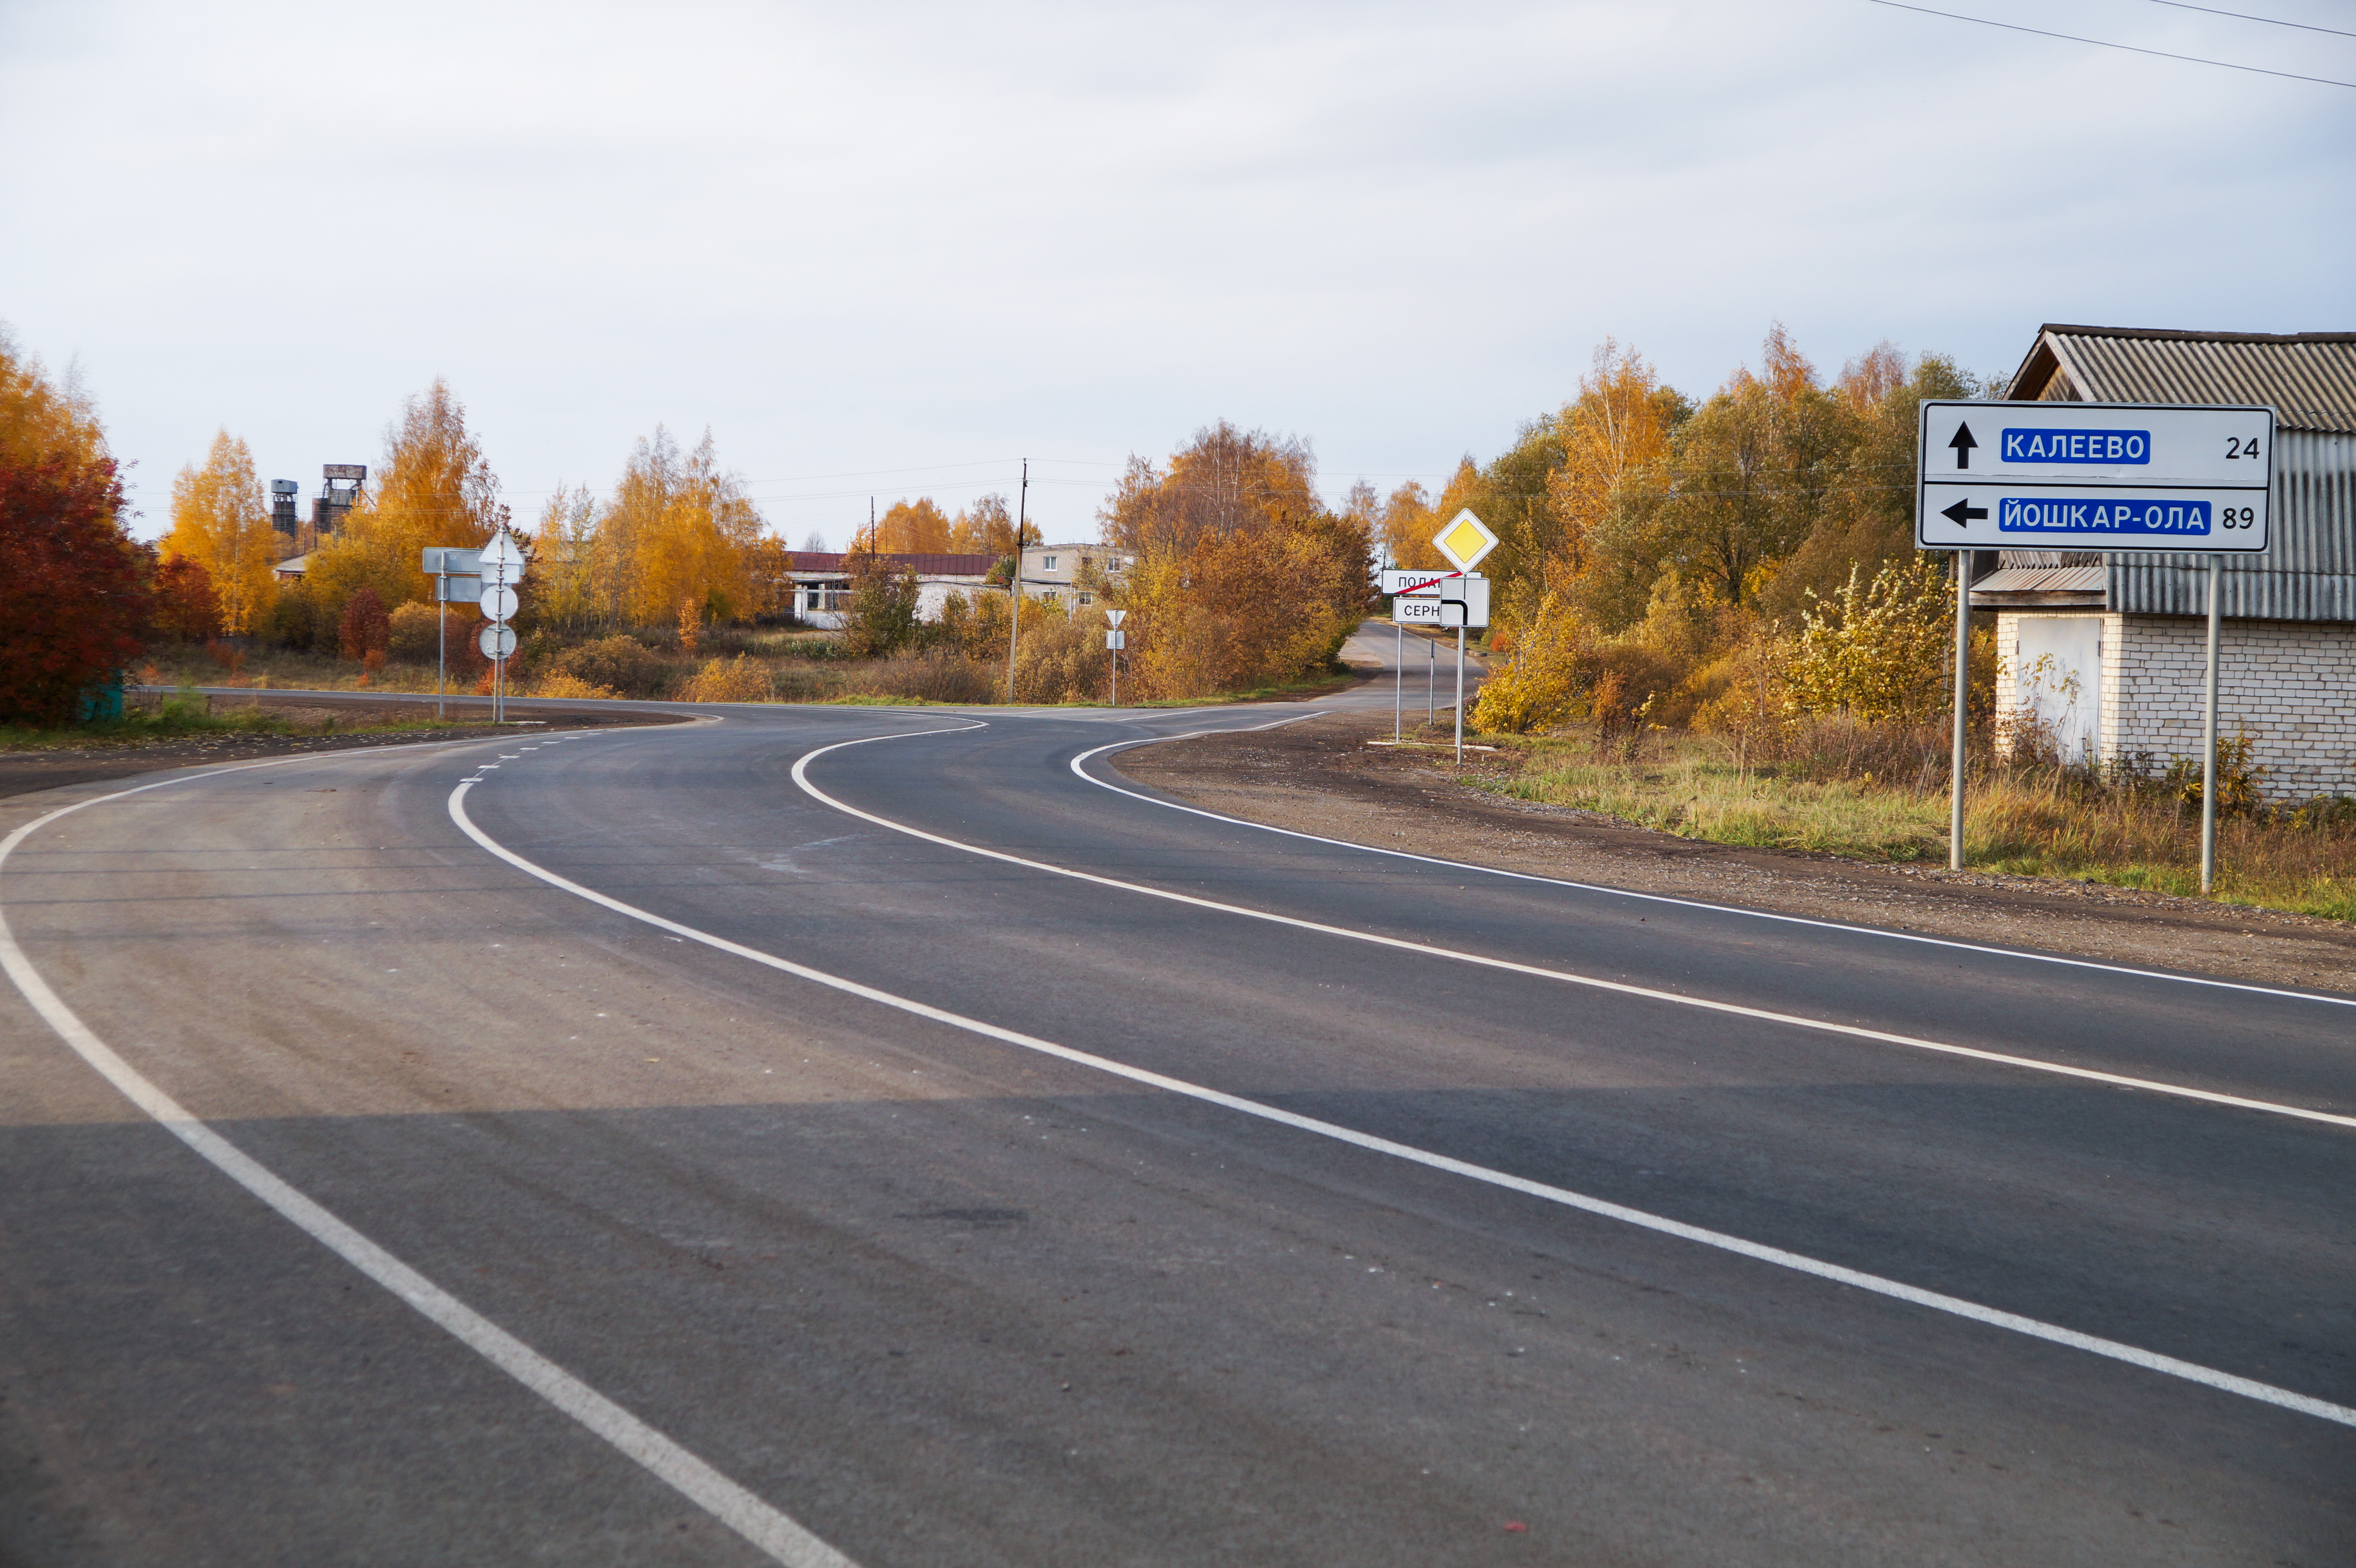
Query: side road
{"points": [[1323, 776]]}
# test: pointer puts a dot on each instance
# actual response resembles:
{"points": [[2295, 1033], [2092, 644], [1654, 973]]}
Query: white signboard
{"points": [[1454, 602], [2099, 476], [1115, 617], [496, 642], [1116, 639], [1397, 580], [498, 601], [502, 559]]}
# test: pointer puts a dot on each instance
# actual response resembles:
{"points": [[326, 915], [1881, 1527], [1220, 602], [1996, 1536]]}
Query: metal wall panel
{"points": [[2308, 573]]}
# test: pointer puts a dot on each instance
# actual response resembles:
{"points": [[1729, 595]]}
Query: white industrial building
{"points": [[2107, 651]]}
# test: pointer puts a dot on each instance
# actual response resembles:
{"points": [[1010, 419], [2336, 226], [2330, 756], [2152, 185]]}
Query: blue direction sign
{"points": [[2104, 476]]}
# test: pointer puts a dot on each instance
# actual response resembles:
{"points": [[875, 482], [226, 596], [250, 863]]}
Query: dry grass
{"points": [[1884, 797]]}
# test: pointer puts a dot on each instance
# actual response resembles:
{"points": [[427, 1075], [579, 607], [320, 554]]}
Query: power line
{"points": [[2106, 44], [2246, 17]]}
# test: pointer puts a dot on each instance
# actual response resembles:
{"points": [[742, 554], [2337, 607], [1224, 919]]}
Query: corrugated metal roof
{"points": [[2309, 378]]}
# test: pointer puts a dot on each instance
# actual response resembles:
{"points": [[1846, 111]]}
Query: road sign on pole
{"points": [[502, 558], [1115, 617], [1465, 540], [1396, 582], [496, 642], [2106, 476], [498, 601], [2115, 477]]}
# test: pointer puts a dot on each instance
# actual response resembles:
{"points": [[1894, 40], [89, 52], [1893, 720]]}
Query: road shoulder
{"points": [[1321, 776]]}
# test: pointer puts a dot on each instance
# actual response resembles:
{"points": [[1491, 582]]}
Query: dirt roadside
{"points": [[1322, 776], [39, 768]]}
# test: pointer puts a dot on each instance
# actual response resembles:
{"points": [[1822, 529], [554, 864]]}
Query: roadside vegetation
{"points": [[188, 713], [1710, 619]]}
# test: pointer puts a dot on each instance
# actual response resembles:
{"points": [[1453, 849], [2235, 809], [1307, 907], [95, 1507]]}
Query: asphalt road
{"points": [[862, 1132]]}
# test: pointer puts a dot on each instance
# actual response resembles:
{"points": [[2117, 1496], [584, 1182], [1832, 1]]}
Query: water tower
{"points": [[281, 506], [341, 493]]}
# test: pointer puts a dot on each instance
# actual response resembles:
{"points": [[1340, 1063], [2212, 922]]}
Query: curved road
{"points": [[888, 1135]]}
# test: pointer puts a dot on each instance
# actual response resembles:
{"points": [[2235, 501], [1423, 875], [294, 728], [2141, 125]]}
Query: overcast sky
{"points": [[892, 249]]}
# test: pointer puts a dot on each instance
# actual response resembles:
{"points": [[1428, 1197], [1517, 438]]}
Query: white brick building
{"points": [[2107, 654]]}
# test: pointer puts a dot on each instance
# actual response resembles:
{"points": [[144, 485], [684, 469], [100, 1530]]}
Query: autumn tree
{"points": [[72, 597], [1243, 577], [681, 528], [576, 573], [221, 521], [183, 607], [366, 628], [435, 487], [910, 528], [987, 526]]}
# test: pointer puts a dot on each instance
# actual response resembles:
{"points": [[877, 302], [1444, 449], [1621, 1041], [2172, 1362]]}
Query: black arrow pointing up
{"points": [[1963, 513], [1963, 443]]}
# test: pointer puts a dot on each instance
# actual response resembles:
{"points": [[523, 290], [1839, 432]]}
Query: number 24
{"points": [[2236, 447]]}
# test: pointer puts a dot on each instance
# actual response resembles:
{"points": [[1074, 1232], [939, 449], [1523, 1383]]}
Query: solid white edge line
{"points": [[700, 1483], [1671, 897], [1620, 987], [2189, 1371]]}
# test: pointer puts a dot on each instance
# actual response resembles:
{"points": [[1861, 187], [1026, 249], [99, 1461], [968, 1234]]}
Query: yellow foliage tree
{"points": [[434, 488], [681, 529], [220, 520], [910, 528]]}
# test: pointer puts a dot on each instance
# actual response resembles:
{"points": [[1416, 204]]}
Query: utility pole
{"points": [[1014, 583]]}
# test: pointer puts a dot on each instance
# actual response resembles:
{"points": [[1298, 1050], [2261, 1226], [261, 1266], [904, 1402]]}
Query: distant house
{"points": [[2107, 651], [292, 568], [1057, 572], [821, 581]]}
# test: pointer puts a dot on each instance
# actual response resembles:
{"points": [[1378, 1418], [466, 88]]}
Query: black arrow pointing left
{"points": [[1963, 513]]}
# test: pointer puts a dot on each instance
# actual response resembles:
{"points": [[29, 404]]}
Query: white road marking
{"points": [[739, 1510], [1665, 898], [2191, 1372], [1620, 987]]}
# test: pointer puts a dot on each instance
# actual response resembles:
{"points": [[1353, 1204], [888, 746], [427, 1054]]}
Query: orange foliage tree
{"points": [[435, 487], [1243, 577]]}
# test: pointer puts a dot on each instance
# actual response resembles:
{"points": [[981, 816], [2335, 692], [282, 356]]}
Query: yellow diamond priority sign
{"points": [[1465, 540]]}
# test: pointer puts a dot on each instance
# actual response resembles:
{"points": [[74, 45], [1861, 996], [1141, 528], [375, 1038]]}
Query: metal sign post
{"points": [[1115, 640], [453, 571], [502, 566], [2187, 478]]}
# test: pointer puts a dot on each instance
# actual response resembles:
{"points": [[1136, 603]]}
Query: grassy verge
{"points": [[2037, 821], [187, 715]]}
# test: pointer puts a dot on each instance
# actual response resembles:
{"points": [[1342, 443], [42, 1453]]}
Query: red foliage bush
{"points": [[184, 609], [366, 628], [70, 599]]}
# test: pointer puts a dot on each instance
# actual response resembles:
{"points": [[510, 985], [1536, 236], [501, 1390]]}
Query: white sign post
{"points": [[2115, 477]]}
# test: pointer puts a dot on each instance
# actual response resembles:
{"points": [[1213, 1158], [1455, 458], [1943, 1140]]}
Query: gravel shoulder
{"points": [[1322, 776]]}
